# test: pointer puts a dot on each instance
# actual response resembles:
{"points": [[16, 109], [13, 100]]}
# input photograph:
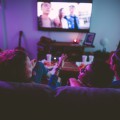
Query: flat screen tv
{"points": [[71, 16]]}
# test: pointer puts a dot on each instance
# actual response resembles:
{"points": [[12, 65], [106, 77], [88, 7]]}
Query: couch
{"points": [[39, 101]]}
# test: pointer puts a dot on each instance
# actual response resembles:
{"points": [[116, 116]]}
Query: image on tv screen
{"points": [[64, 15]]}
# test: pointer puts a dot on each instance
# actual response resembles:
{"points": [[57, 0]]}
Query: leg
{"points": [[40, 72]]}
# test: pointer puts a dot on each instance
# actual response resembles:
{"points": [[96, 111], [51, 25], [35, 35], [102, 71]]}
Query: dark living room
{"points": [[19, 29]]}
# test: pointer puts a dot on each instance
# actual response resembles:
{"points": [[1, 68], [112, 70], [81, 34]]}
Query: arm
{"points": [[56, 68], [74, 82], [33, 63]]}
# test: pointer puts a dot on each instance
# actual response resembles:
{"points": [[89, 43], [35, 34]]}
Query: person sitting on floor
{"points": [[115, 65], [97, 74]]}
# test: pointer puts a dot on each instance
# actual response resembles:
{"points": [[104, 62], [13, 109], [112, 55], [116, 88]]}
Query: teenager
{"points": [[16, 66], [97, 74]]}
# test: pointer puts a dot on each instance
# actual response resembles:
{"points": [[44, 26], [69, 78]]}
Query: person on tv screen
{"points": [[44, 20], [60, 21], [72, 19]]}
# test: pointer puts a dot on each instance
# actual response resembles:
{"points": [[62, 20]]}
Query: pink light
{"points": [[75, 40]]}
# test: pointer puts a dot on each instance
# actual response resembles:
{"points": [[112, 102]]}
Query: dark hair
{"points": [[101, 56], [71, 6], [101, 75], [60, 10], [12, 65], [60, 17], [45, 2]]}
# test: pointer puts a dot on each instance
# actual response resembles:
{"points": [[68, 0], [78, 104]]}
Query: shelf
{"points": [[73, 50]]}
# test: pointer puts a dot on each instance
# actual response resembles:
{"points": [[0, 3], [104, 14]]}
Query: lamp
{"points": [[75, 41], [103, 43]]}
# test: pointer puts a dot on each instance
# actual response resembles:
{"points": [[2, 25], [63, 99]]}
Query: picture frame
{"points": [[89, 39]]}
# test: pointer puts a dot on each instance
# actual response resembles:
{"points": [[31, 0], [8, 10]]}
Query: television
{"points": [[71, 16]]}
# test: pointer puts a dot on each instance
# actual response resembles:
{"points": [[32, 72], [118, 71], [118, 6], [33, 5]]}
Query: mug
{"points": [[78, 63], [91, 58], [48, 57], [84, 58]]}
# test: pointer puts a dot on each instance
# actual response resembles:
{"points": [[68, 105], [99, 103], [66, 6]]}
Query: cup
{"points": [[48, 57], [84, 58], [78, 63], [59, 60], [91, 58]]}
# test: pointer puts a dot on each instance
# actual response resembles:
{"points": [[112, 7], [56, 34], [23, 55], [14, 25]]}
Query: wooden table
{"points": [[73, 50], [68, 69]]}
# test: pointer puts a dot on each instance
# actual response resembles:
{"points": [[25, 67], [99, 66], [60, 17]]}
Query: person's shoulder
{"points": [[67, 17]]}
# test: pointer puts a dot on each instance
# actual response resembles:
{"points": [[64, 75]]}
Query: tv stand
{"points": [[73, 50]]}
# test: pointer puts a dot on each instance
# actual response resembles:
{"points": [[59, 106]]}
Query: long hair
{"points": [[12, 65], [60, 17]]}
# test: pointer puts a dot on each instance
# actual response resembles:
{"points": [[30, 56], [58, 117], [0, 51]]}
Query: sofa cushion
{"points": [[87, 102], [31, 101], [25, 99], [74, 94]]}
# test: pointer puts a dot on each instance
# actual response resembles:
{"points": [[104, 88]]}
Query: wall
{"points": [[1, 32], [21, 15], [105, 22]]}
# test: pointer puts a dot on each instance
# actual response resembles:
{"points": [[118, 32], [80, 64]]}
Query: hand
{"points": [[62, 59], [55, 69], [64, 56], [33, 62], [74, 82]]}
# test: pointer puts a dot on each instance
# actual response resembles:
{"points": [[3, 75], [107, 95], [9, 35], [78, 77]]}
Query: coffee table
{"points": [[68, 69]]}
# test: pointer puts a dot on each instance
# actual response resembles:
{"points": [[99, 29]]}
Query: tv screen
{"points": [[64, 16]]}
